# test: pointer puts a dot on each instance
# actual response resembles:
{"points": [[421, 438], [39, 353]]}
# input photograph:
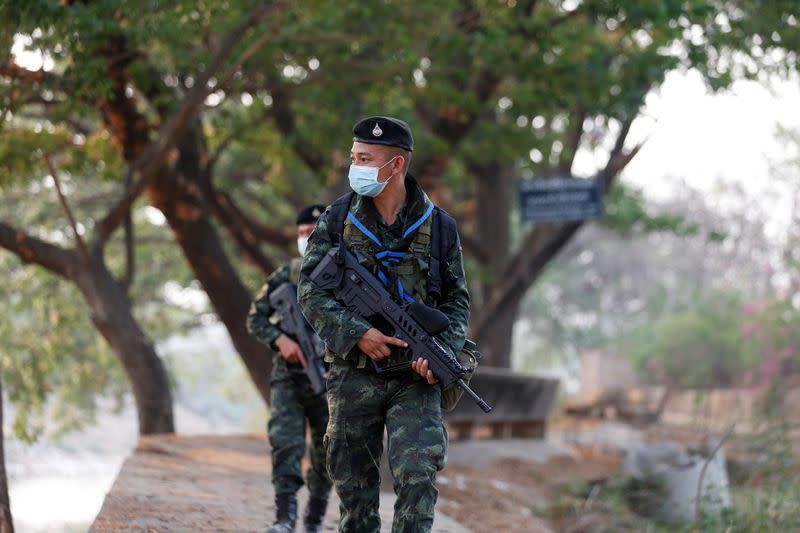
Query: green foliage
{"points": [[765, 486], [426, 62], [772, 329], [767, 492], [22, 150], [607, 504], [54, 365], [768, 508], [478, 81], [766, 30], [497, 65], [700, 346], [717, 341]]}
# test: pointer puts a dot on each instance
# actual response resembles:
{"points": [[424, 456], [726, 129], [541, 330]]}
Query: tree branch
{"points": [[453, 125], [73, 124], [536, 32], [247, 233], [67, 211], [544, 243], [561, 19], [475, 248], [148, 163], [282, 114], [618, 159], [116, 215], [30, 249], [244, 230], [218, 151], [528, 8], [130, 256], [573, 141], [699, 508], [254, 47], [14, 71], [549, 242]]}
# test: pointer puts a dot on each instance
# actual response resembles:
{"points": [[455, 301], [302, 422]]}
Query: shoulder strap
{"points": [[336, 216], [443, 237]]}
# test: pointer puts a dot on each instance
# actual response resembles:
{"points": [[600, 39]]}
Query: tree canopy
{"points": [[227, 116]]}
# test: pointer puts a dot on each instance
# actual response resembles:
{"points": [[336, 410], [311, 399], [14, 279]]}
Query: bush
{"points": [[698, 347]]}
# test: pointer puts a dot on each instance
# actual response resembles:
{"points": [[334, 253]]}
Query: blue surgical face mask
{"points": [[364, 180]]}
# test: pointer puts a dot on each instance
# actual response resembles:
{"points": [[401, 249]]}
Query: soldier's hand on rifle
{"points": [[376, 345], [420, 366], [290, 350]]}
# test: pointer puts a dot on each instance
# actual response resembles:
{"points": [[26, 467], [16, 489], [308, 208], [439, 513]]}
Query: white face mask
{"points": [[302, 244]]}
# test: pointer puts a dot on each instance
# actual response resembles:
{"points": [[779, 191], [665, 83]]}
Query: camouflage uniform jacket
{"points": [[339, 328]]}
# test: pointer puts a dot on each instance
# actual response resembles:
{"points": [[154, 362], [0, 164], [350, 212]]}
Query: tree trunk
{"points": [[201, 246], [111, 314], [492, 218], [493, 229], [179, 196], [6, 524], [495, 344]]}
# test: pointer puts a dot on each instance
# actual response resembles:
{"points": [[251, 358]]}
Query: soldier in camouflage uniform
{"points": [[292, 402], [389, 222]]}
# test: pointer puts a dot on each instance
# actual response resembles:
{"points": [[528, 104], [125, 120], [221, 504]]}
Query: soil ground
{"points": [[221, 483], [207, 483]]}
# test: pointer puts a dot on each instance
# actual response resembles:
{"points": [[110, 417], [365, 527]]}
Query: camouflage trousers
{"points": [[361, 404], [293, 402]]}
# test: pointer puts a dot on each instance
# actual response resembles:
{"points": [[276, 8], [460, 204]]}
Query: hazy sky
{"points": [[702, 136], [702, 139]]}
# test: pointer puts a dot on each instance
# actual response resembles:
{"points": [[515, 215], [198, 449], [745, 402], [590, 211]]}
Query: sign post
{"points": [[560, 199]]}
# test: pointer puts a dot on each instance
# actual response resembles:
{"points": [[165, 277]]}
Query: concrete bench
{"points": [[520, 404]]}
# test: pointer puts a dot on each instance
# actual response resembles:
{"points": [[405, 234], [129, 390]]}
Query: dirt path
{"points": [[219, 483]]}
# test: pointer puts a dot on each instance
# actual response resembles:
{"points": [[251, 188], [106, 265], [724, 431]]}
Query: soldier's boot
{"points": [[314, 514], [285, 514]]}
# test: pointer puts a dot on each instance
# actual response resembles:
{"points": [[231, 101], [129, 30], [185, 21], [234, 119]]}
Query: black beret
{"points": [[384, 130], [310, 214]]}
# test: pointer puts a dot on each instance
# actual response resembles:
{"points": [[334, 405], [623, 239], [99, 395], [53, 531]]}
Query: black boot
{"points": [[285, 514], [314, 514]]}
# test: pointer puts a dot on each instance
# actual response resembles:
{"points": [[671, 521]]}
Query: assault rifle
{"points": [[284, 301], [363, 294]]}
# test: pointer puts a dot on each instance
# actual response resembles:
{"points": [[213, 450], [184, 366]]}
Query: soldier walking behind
{"points": [[292, 402]]}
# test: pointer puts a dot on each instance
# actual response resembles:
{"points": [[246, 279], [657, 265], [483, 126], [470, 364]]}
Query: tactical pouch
{"points": [[468, 357]]}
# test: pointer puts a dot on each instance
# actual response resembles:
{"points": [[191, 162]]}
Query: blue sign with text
{"points": [[560, 199]]}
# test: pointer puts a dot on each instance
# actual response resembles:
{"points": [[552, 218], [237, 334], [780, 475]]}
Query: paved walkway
{"points": [[217, 483]]}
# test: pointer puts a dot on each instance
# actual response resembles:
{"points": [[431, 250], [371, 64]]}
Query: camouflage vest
{"points": [[441, 233], [411, 271]]}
